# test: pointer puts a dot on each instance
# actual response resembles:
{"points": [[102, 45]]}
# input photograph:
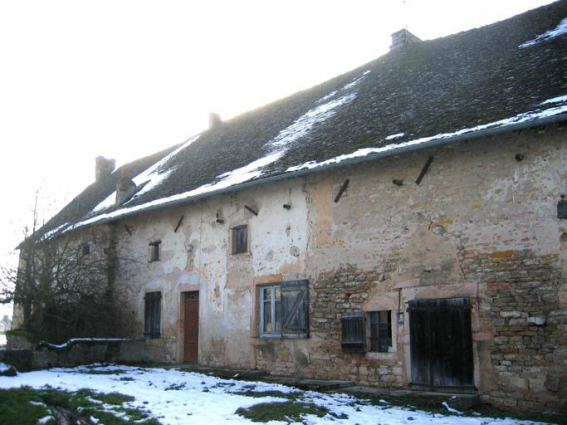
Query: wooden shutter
{"points": [[295, 309], [354, 338]]}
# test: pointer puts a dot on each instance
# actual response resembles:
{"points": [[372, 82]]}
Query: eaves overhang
{"points": [[404, 149]]}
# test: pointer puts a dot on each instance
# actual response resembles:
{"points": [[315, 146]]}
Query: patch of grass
{"points": [[22, 406], [260, 394], [289, 411], [175, 387], [434, 405], [25, 406], [103, 372], [487, 410]]}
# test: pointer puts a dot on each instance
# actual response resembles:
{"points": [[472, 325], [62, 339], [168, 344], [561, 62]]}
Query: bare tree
{"points": [[63, 285]]}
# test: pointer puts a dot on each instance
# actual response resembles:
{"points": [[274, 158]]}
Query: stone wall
{"points": [[529, 328], [26, 356], [344, 290], [482, 224]]}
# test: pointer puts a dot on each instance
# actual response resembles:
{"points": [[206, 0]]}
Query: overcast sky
{"points": [[125, 79]]}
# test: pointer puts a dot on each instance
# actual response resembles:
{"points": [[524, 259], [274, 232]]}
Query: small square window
{"points": [[362, 332], [240, 239], [154, 251], [380, 331], [86, 248]]}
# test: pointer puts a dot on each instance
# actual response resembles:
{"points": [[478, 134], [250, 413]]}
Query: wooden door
{"points": [[191, 327], [441, 344]]}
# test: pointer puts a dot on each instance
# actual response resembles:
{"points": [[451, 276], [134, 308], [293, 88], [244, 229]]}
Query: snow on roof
{"points": [[421, 95], [279, 145], [148, 179], [548, 35], [393, 149]]}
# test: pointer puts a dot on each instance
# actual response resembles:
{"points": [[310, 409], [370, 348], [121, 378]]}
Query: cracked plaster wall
{"points": [[479, 219]]}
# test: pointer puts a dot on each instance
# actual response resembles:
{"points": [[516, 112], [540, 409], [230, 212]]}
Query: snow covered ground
{"points": [[176, 397]]}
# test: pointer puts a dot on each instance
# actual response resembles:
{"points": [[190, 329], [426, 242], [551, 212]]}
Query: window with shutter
{"points": [[284, 310], [152, 315], [353, 332]]}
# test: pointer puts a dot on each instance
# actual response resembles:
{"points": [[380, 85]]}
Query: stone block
{"points": [[536, 384], [510, 314]]}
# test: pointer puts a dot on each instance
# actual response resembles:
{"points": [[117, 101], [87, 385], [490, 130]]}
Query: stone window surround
{"points": [[382, 303]]}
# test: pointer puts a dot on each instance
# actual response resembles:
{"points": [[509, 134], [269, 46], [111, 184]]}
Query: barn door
{"points": [[441, 343], [191, 327]]}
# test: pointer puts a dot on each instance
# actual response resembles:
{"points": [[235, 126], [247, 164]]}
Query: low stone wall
{"points": [[26, 356]]}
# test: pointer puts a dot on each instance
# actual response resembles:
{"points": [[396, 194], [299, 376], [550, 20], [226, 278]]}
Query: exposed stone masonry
{"points": [[529, 327], [518, 304], [332, 295]]}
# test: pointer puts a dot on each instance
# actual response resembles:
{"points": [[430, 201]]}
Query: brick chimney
{"points": [[103, 167], [402, 38], [214, 120]]}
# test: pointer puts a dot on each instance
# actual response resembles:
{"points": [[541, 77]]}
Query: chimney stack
{"points": [[402, 38], [125, 187], [214, 120], [103, 167]]}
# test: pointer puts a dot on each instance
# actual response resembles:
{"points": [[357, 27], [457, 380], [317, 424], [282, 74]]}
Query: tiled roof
{"points": [[488, 79]]}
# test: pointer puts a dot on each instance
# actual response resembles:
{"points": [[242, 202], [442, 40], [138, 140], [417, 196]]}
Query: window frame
{"points": [[152, 315], [291, 319], [375, 343], [353, 332], [238, 246], [357, 333], [154, 253], [274, 314]]}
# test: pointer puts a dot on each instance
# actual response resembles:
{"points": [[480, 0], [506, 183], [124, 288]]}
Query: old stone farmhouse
{"points": [[401, 225]]}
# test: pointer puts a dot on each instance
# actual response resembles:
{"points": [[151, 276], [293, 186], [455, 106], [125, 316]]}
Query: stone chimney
{"points": [[214, 120], [103, 167], [402, 38], [125, 188]]}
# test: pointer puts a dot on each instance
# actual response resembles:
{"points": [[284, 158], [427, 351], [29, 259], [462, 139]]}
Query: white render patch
{"points": [[394, 136], [278, 146], [548, 35], [392, 149], [175, 397]]}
